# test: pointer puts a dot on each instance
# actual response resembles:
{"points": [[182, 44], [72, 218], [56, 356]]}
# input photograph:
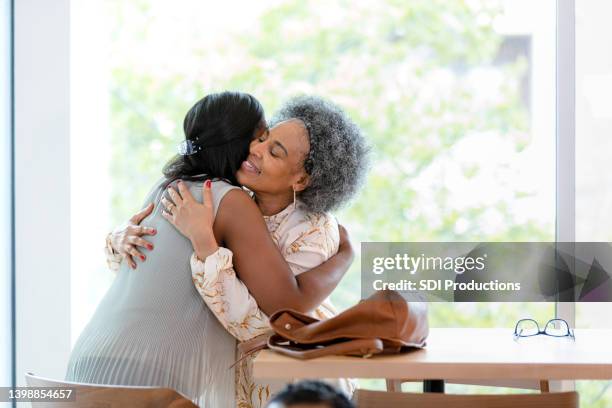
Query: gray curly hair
{"points": [[339, 155]]}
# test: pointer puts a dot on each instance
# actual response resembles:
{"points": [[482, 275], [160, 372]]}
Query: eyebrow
{"points": [[277, 143]]}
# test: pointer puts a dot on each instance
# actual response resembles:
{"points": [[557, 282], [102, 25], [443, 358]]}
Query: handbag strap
{"points": [[357, 347], [255, 344], [251, 346]]}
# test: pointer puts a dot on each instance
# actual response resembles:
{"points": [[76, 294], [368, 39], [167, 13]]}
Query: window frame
{"points": [[7, 272], [565, 228]]}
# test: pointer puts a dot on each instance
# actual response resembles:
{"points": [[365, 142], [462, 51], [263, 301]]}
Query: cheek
{"points": [[276, 174]]}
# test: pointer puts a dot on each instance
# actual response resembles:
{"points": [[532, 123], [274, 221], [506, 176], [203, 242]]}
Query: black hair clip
{"points": [[188, 147]]}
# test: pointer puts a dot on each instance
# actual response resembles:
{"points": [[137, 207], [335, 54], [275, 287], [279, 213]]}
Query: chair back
{"points": [[382, 399], [110, 396]]}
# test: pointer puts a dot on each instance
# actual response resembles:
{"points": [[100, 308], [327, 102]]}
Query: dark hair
{"points": [[313, 392], [339, 155], [222, 125]]}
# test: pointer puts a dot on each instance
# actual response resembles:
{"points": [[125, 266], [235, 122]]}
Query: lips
{"points": [[250, 167]]}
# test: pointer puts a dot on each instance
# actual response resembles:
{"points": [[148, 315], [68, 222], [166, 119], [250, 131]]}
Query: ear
{"points": [[302, 183]]}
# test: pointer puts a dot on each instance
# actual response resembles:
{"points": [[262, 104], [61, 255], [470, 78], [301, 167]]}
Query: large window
{"points": [[457, 97], [458, 102]]}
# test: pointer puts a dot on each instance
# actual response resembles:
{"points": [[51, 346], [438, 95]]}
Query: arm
{"points": [[258, 263], [229, 299], [321, 272], [263, 269]]}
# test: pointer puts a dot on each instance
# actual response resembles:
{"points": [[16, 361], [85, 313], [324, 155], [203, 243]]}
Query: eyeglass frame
{"points": [[570, 332]]}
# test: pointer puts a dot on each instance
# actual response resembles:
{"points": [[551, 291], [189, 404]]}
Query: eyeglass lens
{"points": [[557, 327], [527, 327]]}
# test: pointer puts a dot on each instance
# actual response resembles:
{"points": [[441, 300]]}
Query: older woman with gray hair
{"points": [[337, 160], [311, 160]]}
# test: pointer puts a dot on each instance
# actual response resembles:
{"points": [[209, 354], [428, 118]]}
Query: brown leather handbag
{"points": [[384, 323]]}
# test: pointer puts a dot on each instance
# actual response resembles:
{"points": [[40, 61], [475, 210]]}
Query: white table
{"points": [[464, 356]]}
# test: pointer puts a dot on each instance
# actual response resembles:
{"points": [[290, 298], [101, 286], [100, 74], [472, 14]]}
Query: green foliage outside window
{"points": [[379, 61]]}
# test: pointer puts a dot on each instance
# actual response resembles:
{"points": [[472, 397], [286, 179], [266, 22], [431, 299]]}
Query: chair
{"points": [[110, 396], [382, 399]]}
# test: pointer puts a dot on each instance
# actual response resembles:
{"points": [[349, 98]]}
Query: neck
{"points": [[273, 204]]}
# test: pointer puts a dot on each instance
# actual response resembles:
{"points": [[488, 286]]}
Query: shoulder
{"points": [[313, 226], [223, 185], [236, 197], [217, 186], [309, 239], [322, 220], [239, 221], [237, 208]]}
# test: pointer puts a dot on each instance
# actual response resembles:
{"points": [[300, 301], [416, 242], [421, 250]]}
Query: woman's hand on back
{"points": [[192, 219], [126, 238]]}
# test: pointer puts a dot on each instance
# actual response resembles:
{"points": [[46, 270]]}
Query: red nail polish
{"points": [[142, 257], [150, 246], [208, 183]]}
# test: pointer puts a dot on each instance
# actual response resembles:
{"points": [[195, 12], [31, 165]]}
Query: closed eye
{"points": [[278, 150], [272, 153], [264, 136]]}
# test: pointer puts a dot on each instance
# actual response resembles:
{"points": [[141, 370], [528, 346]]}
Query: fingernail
{"points": [[150, 246], [208, 182], [142, 257], [154, 231]]}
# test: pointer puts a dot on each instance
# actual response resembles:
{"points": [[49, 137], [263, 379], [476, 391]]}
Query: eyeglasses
{"points": [[554, 328]]}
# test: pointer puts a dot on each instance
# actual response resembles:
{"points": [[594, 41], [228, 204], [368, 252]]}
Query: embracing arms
{"points": [[306, 244], [262, 268], [124, 241], [240, 226]]}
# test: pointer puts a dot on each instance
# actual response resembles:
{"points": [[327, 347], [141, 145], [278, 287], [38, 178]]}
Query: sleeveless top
{"points": [[152, 328]]}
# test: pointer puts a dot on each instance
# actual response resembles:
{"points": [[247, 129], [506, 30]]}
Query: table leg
{"points": [[433, 386], [394, 385]]}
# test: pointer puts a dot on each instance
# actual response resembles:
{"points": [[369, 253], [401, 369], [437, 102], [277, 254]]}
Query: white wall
{"points": [[42, 157]]}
